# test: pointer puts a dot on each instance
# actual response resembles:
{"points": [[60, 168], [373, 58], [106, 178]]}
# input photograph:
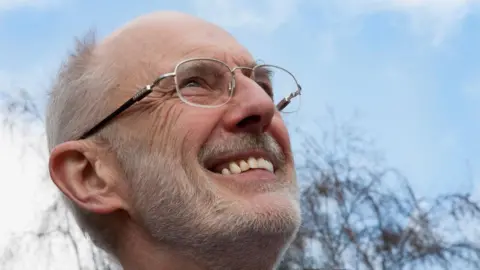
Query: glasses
{"points": [[210, 83]]}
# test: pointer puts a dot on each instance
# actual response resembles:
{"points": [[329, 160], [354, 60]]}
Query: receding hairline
{"points": [[87, 78], [167, 37], [166, 21]]}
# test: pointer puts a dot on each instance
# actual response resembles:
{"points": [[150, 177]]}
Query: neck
{"points": [[255, 252], [258, 252], [137, 253]]}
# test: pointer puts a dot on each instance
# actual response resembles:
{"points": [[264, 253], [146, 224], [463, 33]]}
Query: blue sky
{"points": [[410, 68]]}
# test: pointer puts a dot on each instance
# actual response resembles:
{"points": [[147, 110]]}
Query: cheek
{"points": [[180, 130], [159, 128], [198, 126]]}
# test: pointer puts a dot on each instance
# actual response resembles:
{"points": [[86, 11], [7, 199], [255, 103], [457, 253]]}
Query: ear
{"points": [[83, 174]]}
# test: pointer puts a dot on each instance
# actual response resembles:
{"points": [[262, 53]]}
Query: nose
{"points": [[251, 109]]}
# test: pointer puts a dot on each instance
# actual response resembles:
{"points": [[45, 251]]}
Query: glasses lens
{"points": [[280, 83], [204, 82]]}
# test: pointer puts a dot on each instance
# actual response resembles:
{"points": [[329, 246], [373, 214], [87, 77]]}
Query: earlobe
{"points": [[78, 172]]}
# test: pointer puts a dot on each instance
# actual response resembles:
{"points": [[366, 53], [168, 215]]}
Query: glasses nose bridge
{"points": [[250, 75], [232, 85], [242, 68]]}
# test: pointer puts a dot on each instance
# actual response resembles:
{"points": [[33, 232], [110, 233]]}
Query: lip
{"points": [[213, 163], [256, 176]]}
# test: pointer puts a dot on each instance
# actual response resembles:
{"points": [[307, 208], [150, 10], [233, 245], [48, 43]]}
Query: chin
{"points": [[272, 211], [258, 201], [274, 206]]}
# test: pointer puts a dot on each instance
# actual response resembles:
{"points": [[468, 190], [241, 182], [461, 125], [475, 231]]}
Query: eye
{"points": [[192, 82], [195, 86]]}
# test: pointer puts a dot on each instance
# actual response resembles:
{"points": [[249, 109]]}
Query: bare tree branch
{"points": [[358, 221], [357, 212]]}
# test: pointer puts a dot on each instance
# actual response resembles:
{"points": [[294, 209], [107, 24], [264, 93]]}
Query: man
{"points": [[168, 156]]}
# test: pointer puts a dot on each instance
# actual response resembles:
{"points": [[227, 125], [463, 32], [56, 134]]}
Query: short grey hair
{"points": [[76, 102]]}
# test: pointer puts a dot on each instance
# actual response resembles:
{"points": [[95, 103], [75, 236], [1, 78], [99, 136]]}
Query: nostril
{"points": [[250, 120]]}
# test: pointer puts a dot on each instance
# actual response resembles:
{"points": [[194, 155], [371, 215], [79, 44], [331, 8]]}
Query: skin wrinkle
{"points": [[67, 118], [180, 214], [165, 115], [241, 142], [176, 208], [183, 214]]}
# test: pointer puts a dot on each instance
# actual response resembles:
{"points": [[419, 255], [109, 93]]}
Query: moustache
{"points": [[241, 143]]}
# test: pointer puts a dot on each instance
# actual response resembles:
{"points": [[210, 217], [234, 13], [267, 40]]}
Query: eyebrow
{"points": [[265, 72], [249, 63], [200, 67]]}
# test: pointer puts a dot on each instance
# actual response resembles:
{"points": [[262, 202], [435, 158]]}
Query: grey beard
{"points": [[208, 230], [180, 209]]}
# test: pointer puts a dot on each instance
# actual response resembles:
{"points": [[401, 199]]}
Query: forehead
{"points": [[158, 44], [208, 44]]}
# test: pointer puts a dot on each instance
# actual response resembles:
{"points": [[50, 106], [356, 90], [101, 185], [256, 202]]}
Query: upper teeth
{"points": [[245, 165]]}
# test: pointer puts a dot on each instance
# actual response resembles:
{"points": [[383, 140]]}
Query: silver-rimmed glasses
{"points": [[210, 83]]}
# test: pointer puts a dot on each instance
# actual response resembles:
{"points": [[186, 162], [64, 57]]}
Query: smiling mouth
{"points": [[242, 162], [243, 165]]}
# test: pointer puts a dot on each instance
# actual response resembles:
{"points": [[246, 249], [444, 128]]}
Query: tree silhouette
{"points": [[360, 214], [56, 232], [357, 212]]}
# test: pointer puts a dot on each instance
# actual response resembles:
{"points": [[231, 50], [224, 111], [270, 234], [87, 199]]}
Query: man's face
{"points": [[202, 174]]}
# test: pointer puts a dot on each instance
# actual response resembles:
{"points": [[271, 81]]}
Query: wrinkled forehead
{"points": [[157, 42]]}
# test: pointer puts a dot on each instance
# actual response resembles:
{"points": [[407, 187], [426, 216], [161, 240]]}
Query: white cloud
{"points": [[22, 158], [439, 17], [435, 18], [22, 171], [260, 15], [7, 5]]}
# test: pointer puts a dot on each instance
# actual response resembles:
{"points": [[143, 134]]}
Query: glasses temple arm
{"points": [[286, 100], [138, 96]]}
